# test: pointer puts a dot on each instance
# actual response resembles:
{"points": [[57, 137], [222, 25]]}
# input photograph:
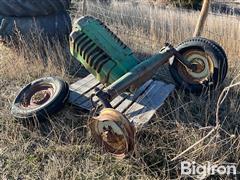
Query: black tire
{"points": [[24, 106], [209, 50], [58, 26], [23, 8], [225, 62]]}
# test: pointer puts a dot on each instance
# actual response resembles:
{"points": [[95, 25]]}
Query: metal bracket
{"points": [[181, 59], [103, 97]]}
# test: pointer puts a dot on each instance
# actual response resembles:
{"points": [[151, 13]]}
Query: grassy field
{"points": [[63, 148]]}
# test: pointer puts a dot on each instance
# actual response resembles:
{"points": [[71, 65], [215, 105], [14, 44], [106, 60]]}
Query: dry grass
{"points": [[63, 149]]}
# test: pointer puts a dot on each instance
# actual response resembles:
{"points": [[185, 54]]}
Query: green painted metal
{"points": [[140, 74], [100, 51]]}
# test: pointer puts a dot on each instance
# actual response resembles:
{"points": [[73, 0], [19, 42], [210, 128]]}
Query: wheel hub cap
{"points": [[202, 70], [112, 130], [37, 96], [40, 97], [199, 64], [202, 67]]}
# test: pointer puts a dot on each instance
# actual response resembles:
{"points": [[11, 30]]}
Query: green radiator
{"points": [[100, 51]]}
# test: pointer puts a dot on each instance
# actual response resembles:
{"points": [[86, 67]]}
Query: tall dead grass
{"points": [[63, 149], [141, 24]]}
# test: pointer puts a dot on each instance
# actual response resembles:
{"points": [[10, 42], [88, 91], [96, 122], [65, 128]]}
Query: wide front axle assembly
{"points": [[197, 65], [104, 55]]}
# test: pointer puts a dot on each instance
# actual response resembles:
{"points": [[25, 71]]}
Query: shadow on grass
{"points": [[66, 127]]}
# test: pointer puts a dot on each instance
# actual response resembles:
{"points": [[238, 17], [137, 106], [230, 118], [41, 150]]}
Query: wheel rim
{"points": [[112, 130], [113, 136], [204, 67], [36, 96]]}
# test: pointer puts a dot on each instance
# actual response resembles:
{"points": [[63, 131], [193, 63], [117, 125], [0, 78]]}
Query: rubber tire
{"points": [[58, 26], [225, 62], [51, 107], [220, 63], [23, 8]]}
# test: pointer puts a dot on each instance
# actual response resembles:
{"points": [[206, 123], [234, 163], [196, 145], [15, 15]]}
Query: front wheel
{"points": [[210, 61], [114, 132], [40, 99]]}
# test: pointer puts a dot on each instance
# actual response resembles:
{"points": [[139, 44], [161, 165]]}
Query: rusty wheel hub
{"points": [[40, 97], [199, 64], [202, 62], [37, 96], [114, 132]]}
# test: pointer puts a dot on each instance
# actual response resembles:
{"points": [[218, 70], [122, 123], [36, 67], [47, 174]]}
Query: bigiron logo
{"points": [[207, 169]]}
